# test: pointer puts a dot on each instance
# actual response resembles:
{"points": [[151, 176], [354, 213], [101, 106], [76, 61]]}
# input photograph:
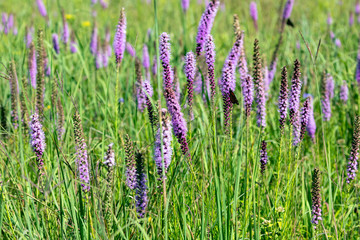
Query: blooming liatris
{"points": [[316, 198], [109, 159], [338, 43], [357, 71], [283, 99], [177, 119], [94, 40], [109, 162], [354, 153], [254, 14], [130, 49], [154, 66], [82, 161], [130, 163], [259, 87], [141, 188], [166, 150], [177, 89], [329, 19], [40, 73], [73, 44], [144, 88], [37, 140], [294, 102], [29, 36], [311, 126], [120, 38], [185, 5], [55, 40], [287, 10], [326, 98], [65, 31], [146, 60], [248, 95], [165, 60], [190, 70], [205, 25], [32, 65], [210, 61], [330, 85], [263, 156], [351, 19], [344, 92], [41, 8], [305, 114]]}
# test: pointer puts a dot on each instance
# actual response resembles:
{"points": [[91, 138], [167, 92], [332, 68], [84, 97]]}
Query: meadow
{"points": [[169, 119]]}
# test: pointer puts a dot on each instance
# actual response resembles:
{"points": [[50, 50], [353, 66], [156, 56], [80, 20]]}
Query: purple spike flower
{"points": [[166, 145], [177, 119], [265, 72], [338, 43], [316, 198], [94, 40], [55, 40], [263, 157], [254, 14], [351, 19], [357, 7], [329, 20], [120, 38], [37, 140], [288, 9], [294, 102], [248, 95], [73, 44], [177, 89], [41, 8], [190, 70], [344, 92], [109, 159], [104, 4], [357, 71], [305, 114], [354, 153], [311, 126], [4, 18], [130, 49], [185, 5], [326, 97], [146, 58], [283, 98], [65, 31], [10, 23], [330, 85], [165, 60], [154, 66], [272, 70], [98, 56], [141, 188], [29, 36], [332, 35], [130, 163], [205, 25], [210, 61], [259, 87], [32, 65]]}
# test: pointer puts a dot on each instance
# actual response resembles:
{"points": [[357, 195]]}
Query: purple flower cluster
{"points": [[354, 153], [263, 156], [316, 199], [130, 163], [109, 159], [141, 188], [73, 44], [130, 49], [190, 70], [357, 71], [248, 95], [177, 119], [94, 40], [205, 25], [185, 5], [146, 60], [294, 102], [283, 99], [32, 65], [344, 92], [165, 60], [326, 97], [305, 114], [259, 87], [288, 9], [254, 14], [55, 41], [37, 139], [272, 70], [311, 126], [41, 8], [28, 39], [210, 61], [65, 31], [165, 144], [120, 38]]}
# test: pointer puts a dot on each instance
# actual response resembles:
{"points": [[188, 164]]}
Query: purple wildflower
{"points": [[205, 25], [263, 157], [73, 44], [332, 35], [272, 70], [344, 92], [130, 163], [65, 31], [316, 198], [4, 18], [32, 65], [298, 44], [104, 4], [248, 95], [311, 126], [288, 9], [265, 73], [81, 154], [176, 84], [166, 145], [254, 14], [305, 114], [351, 19], [41, 8], [353, 158], [55, 40], [330, 85], [185, 5], [294, 102], [130, 49], [190, 70], [141, 188], [146, 58], [329, 20], [98, 55], [338, 43], [210, 61], [110, 156], [94, 40], [357, 7], [29, 36], [120, 38], [165, 60], [283, 98], [259, 87], [37, 140], [357, 71], [177, 119], [154, 66], [326, 97]]}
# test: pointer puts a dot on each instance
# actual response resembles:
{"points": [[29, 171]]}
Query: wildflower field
{"points": [[179, 119]]}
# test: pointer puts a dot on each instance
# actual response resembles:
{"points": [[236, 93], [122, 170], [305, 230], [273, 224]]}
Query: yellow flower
{"points": [[48, 107], [149, 219], [86, 24], [69, 16]]}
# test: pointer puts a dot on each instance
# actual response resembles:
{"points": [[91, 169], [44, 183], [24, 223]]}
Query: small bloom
{"points": [[330, 85], [94, 40], [311, 126], [185, 5], [354, 153], [288, 9], [259, 87], [247, 89], [305, 114], [351, 19], [104, 4], [130, 163], [254, 14], [294, 102], [141, 188], [329, 20], [357, 71], [109, 159], [32, 65], [210, 61], [130, 49], [65, 31], [146, 58], [283, 98], [55, 40], [326, 97], [344, 92], [165, 60], [263, 156], [73, 44], [190, 70], [41, 8], [37, 139], [205, 25], [316, 198], [338, 43], [120, 38]]}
